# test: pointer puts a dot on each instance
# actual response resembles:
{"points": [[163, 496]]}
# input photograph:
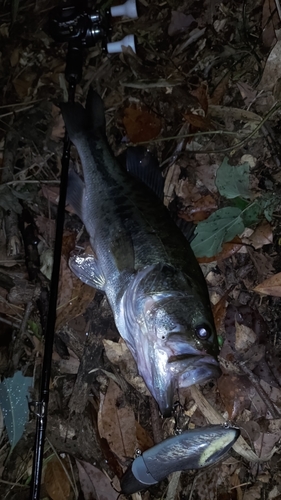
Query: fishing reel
{"points": [[82, 27]]}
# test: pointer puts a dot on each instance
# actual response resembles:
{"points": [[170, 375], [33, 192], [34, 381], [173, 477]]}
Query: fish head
{"points": [[174, 340]]}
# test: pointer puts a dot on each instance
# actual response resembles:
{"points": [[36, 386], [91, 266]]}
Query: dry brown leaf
{"points": [[271, 286], [220, 90], [143, 438], [201, 93], [23, 85], [244, 337], [198, 121], [56, 481], [94, 483], [119, 354], [261, 236], [270, 22], [52, 194], [74, 296], [200, 209], [272, 69], [219, 312], [58, 129], [47, 228], [141, 124], [14, 57], [116, 422]]}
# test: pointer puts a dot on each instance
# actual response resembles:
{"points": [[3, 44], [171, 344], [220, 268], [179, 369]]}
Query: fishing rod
{"points": [[80, 28]]}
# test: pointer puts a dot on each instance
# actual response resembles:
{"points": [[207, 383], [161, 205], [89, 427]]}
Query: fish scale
{"points": [[142, 262]]}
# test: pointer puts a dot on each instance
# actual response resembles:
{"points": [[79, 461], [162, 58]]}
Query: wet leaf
{"points": [[56, 481], [233, 181], [271, 286], [94, 483], [14, 393]]}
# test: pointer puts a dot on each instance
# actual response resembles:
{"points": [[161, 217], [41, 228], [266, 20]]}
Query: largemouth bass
{"points": [[143, 263]]}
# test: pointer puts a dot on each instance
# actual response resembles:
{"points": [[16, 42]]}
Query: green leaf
{"points": [[13, 402], [263, 205], [233, 181], [221, 226]]}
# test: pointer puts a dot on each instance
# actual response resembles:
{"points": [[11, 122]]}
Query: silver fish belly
{"points": [[142, 262]]}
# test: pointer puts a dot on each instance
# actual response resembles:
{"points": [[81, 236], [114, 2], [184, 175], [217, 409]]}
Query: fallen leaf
{"points": [[23, 85], [116, 422], [199, 209], [56, 481], [235, 393], [52, 193], [94, 483], [58, 129], [220, 90], [47, 228], [261, 236], [179, 22], [14, 57], [201, 93], [74, 296], [198, 121], [141, 124], [228, 249], [272, 69], [245, 337], [119, 354], [270, 22], [271, 286], [247, 92], [219, 312], [262, 262], [144, 440]]}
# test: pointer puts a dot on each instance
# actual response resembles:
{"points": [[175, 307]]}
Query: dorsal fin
{"points": [[143, 165]]}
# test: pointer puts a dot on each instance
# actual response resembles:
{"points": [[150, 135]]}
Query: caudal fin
{"points": [[79, 120], [75, 119], [95, 110]]}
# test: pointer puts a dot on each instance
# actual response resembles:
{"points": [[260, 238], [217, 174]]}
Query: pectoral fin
{"points": [[87, 269]]}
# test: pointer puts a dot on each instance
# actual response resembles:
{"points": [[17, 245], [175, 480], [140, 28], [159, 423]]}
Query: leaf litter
{"points": [[201, 93]]}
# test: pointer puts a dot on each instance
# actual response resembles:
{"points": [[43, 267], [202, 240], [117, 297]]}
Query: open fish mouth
{"points": [[182, 372]]}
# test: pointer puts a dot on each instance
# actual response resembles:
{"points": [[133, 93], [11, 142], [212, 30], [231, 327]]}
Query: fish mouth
{"points": [[182, 371]]}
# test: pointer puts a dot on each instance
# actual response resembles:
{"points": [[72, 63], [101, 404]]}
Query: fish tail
{"points": [[95, 110], [79, 120], [75, 119]]}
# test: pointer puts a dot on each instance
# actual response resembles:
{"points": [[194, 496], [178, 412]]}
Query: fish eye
{"points": [[203, 332]]}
